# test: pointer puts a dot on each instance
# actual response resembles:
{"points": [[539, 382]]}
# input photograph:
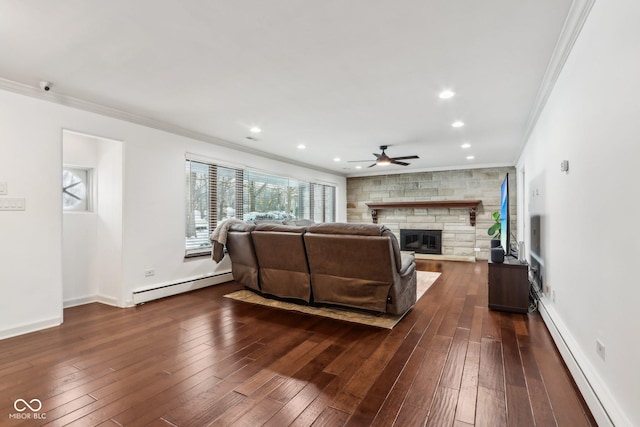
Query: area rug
{"points": [[425, 280]]}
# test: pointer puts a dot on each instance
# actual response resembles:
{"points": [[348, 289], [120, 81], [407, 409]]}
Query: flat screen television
{"points": [[505, 232]]}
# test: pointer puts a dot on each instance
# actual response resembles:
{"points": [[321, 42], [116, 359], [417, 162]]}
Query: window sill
{"points": [[198, 255]]}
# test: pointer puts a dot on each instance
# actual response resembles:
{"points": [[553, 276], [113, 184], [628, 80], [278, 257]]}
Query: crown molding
{"points": [[578, 13], [68, 101]]}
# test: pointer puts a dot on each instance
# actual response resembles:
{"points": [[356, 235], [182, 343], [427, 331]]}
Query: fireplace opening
{"points": [[421, 241]]}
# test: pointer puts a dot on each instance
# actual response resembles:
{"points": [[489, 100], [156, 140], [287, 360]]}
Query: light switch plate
{"points": [[3, 189], [12, 204]]}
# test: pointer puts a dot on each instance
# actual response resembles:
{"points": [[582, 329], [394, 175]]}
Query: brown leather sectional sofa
{"points": [[352, 265]]}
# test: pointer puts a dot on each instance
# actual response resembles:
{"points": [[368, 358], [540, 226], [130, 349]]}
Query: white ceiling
{"points": [[341, 77]]}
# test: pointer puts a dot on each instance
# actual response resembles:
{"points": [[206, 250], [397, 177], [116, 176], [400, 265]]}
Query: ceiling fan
{"points": [[383, 160]]}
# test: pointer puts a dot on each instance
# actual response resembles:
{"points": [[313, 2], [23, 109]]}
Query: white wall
{"points": [[79, 229], [30, 240], [153, 209], [589, 216], [109, 259]]}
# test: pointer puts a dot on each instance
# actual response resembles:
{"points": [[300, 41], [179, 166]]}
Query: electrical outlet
{"points": [[150, 272], [600, 349]]}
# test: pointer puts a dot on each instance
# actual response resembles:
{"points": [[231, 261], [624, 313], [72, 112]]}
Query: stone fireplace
{"points": [[458, 202], [421, 241]]}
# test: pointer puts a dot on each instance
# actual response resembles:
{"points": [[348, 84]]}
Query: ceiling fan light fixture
{"points": [[446, 94], [384, 162]]}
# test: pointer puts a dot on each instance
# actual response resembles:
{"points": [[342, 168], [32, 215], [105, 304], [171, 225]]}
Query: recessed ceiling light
{"points": [[301, 146], [255, 129], [446, 94], [336, 159], [471, 157], [466, 145], [457, 124], [358, 167]]}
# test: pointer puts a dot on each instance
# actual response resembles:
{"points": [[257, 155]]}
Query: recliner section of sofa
{"points": [[353, 265], [360, 266], [284, 271], [244, 263]]}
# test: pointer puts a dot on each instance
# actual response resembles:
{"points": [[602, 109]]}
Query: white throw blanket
{"points": [[219, 237]]}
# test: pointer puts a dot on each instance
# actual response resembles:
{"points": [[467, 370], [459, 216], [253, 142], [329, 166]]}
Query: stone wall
{"points": [[459, 237]]}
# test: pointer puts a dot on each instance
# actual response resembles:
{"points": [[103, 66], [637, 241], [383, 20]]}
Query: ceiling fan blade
{"points": [[383, 158], [405, 157], [395, 162]]}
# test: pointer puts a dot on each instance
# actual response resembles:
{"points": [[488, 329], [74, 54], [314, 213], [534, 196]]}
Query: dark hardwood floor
{"points": [[200, 359]]}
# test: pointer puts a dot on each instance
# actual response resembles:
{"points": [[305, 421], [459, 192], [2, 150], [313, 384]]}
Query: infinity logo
{"points": [[37, 405]]}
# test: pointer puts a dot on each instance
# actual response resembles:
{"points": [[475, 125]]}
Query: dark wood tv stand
{"points": [[509, 286]]}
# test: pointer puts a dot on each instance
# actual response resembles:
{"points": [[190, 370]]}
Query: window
{"points": [[273, 197], [323, 203], [228, 192], [215, 193], [76, 189], [199, 218]]}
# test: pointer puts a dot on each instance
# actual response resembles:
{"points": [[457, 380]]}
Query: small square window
{"points": [[76, 189]]}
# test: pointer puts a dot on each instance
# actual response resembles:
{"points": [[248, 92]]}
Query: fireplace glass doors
{"points": [[421, 241]]}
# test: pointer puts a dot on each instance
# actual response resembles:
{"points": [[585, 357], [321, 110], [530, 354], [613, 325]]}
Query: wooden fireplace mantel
{"points": [[472, 205]]}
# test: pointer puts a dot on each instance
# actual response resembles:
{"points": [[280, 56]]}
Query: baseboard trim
{"points": [[161, 290], [102, 299], [74, 302], [31, 327], [108, 301], [596, 394]]}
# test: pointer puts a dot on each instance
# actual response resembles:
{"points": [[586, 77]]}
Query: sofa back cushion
{"points": [[303, 222], [345, 228], [280, 247], [352, 270], [353, 229], [284, 271]]}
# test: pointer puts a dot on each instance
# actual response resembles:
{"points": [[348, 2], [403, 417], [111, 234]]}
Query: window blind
{"points": [[215, 193]]}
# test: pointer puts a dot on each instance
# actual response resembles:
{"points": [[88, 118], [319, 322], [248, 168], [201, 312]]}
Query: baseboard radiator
{"points": [[162, 290], [602, 404]]}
